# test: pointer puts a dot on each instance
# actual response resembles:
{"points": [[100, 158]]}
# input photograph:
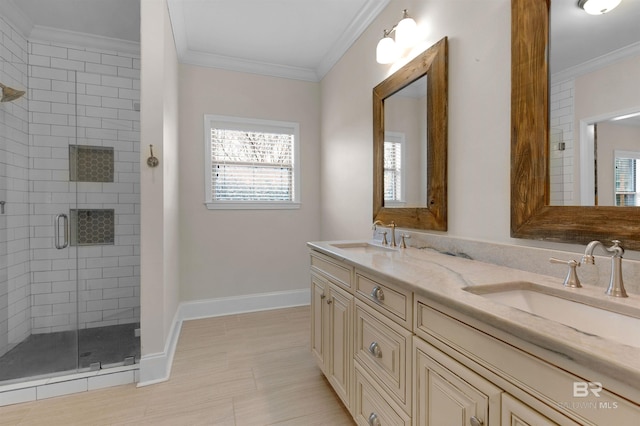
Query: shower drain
{"points": [[85, 354]]}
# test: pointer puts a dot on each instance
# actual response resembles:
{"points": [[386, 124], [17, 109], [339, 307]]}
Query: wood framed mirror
{"points": [[427, 207], [532, 216]]}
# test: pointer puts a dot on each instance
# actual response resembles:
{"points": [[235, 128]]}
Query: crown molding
{"points": [[83, 40], [17, 19], [243, 65], [369, 12], [367, 15], [597, 63]]}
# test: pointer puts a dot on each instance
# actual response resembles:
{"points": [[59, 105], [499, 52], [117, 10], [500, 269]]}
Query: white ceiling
{"points": [[301, 39], [116, 19], [577, 37]]}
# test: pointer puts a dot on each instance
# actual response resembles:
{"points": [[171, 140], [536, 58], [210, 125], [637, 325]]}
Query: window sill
{"points": [[252, 206]]}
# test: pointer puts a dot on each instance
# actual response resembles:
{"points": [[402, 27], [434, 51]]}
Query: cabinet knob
{"points": [[329, 301], [377, 293], [375, 350], [323, 296], [475, 421], [373, 420]]}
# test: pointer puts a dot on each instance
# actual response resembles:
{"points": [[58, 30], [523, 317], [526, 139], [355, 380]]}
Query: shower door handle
{"points": [[56, 227]]}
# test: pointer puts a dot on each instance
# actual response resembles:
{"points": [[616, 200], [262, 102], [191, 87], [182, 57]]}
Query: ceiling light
{"points": [[388, 50], [598, 7]]}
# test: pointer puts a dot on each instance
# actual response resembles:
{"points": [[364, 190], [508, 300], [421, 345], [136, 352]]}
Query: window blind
{"points": [[251, 165], [625, 175], [392, 171]]}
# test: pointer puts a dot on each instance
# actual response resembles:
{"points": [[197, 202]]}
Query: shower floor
{"points": [[50, 353]]}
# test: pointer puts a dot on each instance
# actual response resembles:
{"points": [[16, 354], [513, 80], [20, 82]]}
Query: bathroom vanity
{"points": [[414, 336]]}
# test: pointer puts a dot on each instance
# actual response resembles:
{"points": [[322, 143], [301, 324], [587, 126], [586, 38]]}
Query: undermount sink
{"points": [[587, 314], [362, 247]]}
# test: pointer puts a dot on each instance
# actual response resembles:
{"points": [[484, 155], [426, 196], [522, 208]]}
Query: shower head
{"points": [[9, 94]]}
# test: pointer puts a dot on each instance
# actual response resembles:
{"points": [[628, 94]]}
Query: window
{"points": [[627, 178], [251, 164], [393, 168]]}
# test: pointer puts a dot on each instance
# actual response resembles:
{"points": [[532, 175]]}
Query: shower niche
{"points": [[91, 163], [91, 226]]}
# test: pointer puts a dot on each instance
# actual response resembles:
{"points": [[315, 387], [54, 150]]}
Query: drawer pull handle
{"points": [[375, 350], [377, 294], [475, 421], [373, 420]]}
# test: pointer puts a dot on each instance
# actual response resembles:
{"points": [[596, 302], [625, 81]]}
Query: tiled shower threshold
{"points": [[50, 387]]}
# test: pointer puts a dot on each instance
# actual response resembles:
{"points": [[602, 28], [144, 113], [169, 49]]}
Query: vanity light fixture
{"points": [[598, 7], [389, 50]]}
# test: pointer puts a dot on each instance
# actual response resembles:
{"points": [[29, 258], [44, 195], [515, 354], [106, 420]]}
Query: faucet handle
{"points": [[403, 243], [571, 280], [384, 238]]}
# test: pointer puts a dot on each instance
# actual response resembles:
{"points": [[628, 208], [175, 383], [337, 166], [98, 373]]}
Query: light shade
{"points": [[598, 7], [406, 31], [386, 51]]}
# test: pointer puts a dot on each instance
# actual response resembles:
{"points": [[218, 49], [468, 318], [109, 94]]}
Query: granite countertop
{"points": [[442, 278]]}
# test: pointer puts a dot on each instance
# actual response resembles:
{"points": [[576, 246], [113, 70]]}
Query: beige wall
{"points": [[612, 136], [479, 114], [241, 252], [608, 90], [159, 192]]}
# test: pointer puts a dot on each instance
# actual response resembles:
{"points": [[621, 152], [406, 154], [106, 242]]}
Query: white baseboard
{"points": [[155, 368], [243, 304]]}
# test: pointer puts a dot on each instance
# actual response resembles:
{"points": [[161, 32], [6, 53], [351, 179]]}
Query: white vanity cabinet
{"points": [[446, 392], [383, 340], [397, 357], [332, 324], [533, 391]]}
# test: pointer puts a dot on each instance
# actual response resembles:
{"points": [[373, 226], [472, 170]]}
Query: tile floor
{"points": [[249, 369], [54, 352]]}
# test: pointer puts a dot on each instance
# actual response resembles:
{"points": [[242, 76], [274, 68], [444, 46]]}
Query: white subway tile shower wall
{"points": [[15, 306], [84, 97], [561, 116]]}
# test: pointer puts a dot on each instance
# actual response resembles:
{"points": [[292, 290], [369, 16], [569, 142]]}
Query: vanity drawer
{"points": [[393, 302], [383, 348], [372, 408], [340, 274]]}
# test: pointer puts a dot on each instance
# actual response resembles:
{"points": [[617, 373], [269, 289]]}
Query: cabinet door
{"points": [[517, 413], [339, 335], [318, 307], [449, 394]]}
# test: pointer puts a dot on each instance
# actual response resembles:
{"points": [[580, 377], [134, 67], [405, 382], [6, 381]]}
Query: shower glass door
{"points": [[69, 224], [104, 171], [69, 206], [40, 333]]}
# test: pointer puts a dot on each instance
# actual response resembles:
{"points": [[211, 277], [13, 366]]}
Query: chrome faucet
{"points": [[616, 286], [392, 225]]}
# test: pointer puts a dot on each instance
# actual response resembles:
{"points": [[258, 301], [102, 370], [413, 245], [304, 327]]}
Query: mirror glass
{"points": [[405, 146], [594, 105], [533, 216], [410, 143]]}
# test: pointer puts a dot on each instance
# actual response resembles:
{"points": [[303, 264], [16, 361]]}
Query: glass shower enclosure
{"points": [[69, 211]]}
